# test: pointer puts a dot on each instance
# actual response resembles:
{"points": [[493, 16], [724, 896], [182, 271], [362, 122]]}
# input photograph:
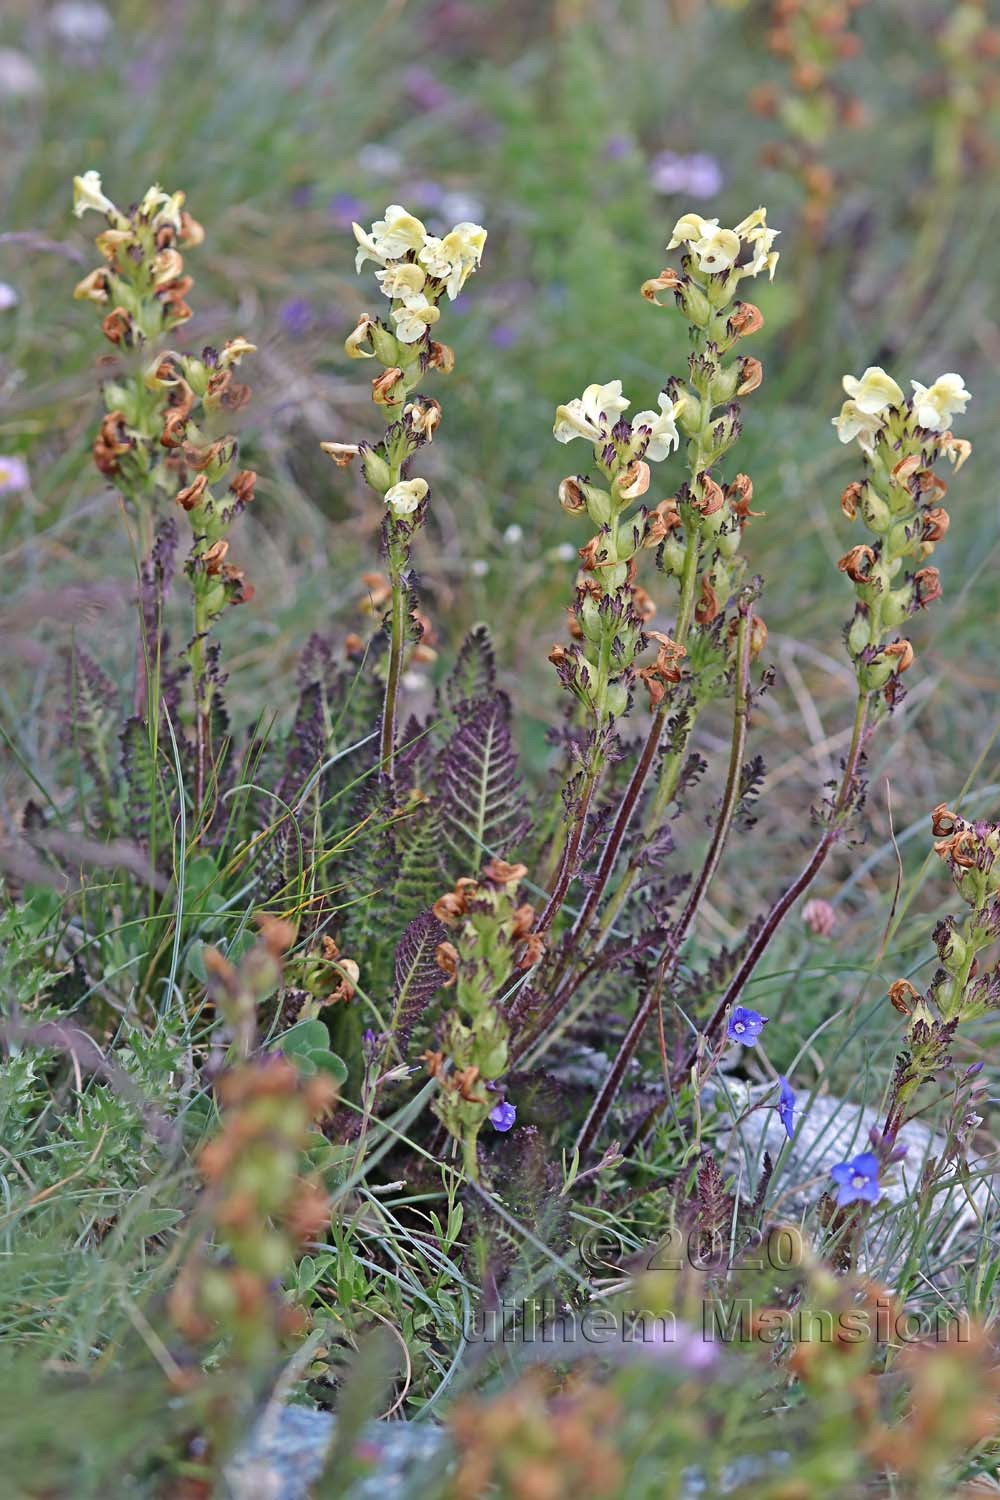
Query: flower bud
{"points": [[875, 512], [376, 471]]}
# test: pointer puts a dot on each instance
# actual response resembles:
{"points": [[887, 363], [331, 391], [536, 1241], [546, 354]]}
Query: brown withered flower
{"points": [[943, 820], [744, 320], [927, 583], [739, 493], [936, 523], [441, 357], [214, 556], [710, 499], [902, 994], [661, 521], [534, 949], [850, 499], [707, 608], [242, 485], [191, 495], [668, 281], [117, 327], [238, 590], [901, 652], [751, 373], [384, 386], [593, 554], [499, 872], [446, 958], [857, 563]]}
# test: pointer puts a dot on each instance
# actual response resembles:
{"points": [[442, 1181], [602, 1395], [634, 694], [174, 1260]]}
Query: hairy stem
{"points": [[397, 643]]}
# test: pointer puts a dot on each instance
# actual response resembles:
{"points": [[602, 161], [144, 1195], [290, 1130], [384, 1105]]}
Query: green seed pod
{"points": [[859, 634], [377, 471], [876, 513]]}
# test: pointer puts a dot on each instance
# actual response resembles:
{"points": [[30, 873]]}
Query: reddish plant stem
{"points": [[778, 912], [633, 1036]]}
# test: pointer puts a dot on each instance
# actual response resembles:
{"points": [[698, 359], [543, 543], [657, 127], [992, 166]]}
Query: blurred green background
{"points": [[577, 132]]}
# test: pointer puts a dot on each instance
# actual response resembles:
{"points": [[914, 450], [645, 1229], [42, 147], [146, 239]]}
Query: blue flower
{"points": [[786, 1106], [503, 1117], [857, 1180], [745, 1025]]}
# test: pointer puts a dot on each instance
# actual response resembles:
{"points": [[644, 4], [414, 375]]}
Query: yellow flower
{"points": [[760, 238], [398, 233], [401, 280], [590, 415], [404, 497], [368, 250], [415, 315], [453, 259], [87, 194], [689, 228], [663, 428], [717, 250], [934, 406], [853, 423], [874, 391]]}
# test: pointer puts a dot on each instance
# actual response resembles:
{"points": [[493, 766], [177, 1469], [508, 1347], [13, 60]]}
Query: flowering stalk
{"points": [[415, 271], [697, 534], [959, 991], [164, 432], [898, 500], [488, 931]]}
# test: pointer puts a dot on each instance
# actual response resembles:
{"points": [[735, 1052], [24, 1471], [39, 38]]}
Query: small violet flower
{"points": [[786, 1106], [745, 1025], [857, 1180], [503, 1117], [698, 175]]}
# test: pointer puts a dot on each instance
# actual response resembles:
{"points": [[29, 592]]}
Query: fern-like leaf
{"points": [[480, 792], [418, 977], [473, 677]]}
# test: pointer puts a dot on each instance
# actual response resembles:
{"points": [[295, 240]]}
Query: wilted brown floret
{"points": [[242, 485], [857, 563], [707, 608], [927, 583], [902, 994], [191, 495], [850, 499], [744, 320]]}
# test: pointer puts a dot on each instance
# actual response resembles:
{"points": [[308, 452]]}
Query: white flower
{"points": [[381, 161], [717, 250], [415, 315], [404, 497], [401, 280], [874, 391], [87, 194], [513, 534], [8, 296], [664, 435], [13, 474], [689, 228], [591, 414], [934, 406], [854, 423], [398, 233]]}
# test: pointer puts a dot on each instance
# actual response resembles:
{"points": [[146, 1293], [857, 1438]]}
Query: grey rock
{"points": [[287, 1451]]}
